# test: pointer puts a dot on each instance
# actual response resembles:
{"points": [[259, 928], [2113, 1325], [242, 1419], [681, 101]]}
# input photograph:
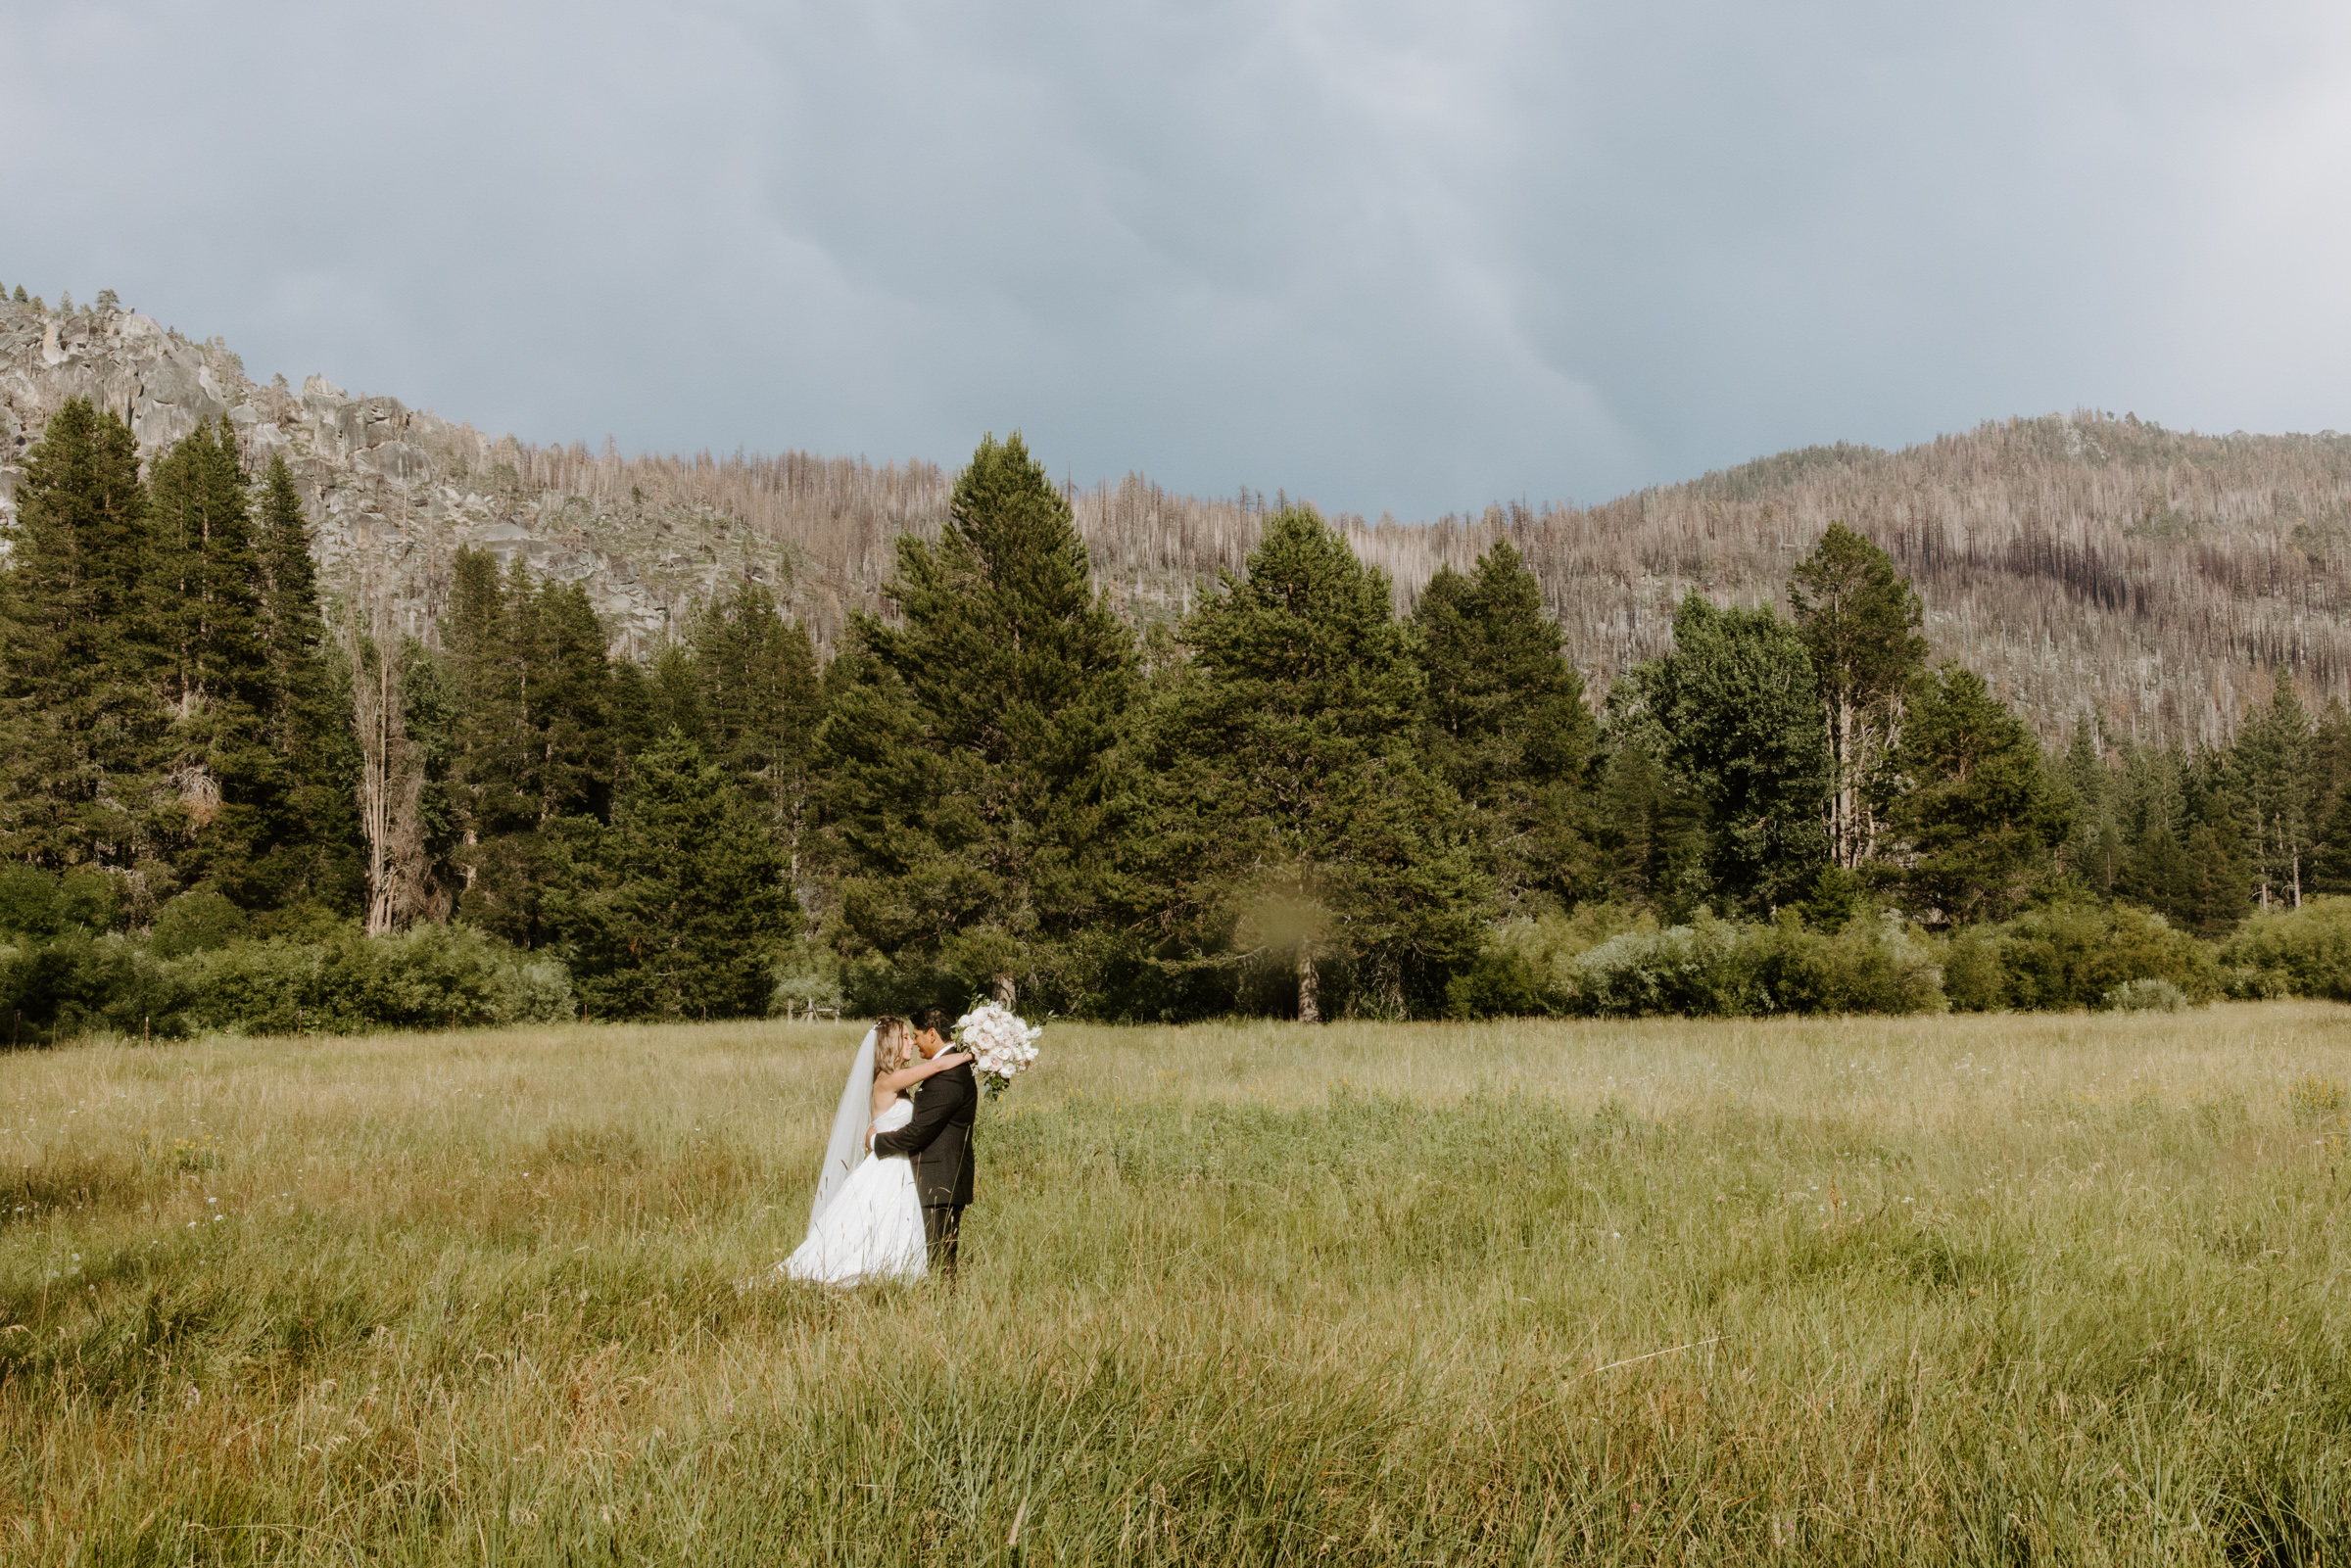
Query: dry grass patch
{"points": [[2006, 1289]]}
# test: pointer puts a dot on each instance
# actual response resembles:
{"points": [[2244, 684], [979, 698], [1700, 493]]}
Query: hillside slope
{"points": [[2083, 562]]}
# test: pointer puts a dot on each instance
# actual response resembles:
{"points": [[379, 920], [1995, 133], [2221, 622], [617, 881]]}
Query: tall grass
{"points": [[2062, 1288]]}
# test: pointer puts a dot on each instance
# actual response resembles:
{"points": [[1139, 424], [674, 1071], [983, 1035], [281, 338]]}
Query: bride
{"points": [[867, 1222]]}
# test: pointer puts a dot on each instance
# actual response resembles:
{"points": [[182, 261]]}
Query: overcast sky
{"points": [[1392, 258]]}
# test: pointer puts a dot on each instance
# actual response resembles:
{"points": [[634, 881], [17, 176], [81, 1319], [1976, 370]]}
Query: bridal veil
{"points": [[848, 1144]]}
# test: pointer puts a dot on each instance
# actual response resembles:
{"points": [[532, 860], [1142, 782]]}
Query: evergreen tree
{"points": [[1504, 722], [1732, 711], [674, 692], [216, 662], [1291, 819], [2272, 772], [2215, 893], [530, 743], [683, 904], [2156, 873], [1979, 820], [80, 719], [1859, 620], [567, 705], [2330, 865], [311, 844], [484, 701], [968, 757], [2094, 852], [756, 702], [1652, 836]]}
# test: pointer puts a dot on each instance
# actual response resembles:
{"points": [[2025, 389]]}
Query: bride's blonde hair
{"points": [[893, 1040]]}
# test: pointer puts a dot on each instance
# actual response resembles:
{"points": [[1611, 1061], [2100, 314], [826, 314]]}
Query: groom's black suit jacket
{"points": [[938, 1140]]}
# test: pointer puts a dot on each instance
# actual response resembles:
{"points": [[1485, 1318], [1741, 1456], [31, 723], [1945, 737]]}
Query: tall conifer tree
{"points": [[1504, 720], [758, 703], [1978, 823], [216, 662], [312, 851], [2275, 792], [1293, 819], [968, 756], [1733, 712], [79, 716], [1859, 620], [686, 906]]}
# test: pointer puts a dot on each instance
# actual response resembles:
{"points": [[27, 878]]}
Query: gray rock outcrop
{"points": [[393, 493]]}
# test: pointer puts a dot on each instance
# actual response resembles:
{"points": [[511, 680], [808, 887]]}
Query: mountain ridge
{"points": [[2085, 564]]}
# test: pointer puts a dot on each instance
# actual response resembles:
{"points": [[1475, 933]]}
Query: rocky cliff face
{"points": [[393, 493]]}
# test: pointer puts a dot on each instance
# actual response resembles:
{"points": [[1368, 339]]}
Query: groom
{"points": [[938, 1142]]}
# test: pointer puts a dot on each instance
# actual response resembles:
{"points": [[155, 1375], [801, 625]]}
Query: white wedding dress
{"points": [[871, 1225]]}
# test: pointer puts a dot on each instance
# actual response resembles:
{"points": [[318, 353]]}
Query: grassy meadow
{"points": [[1999, 1290]]}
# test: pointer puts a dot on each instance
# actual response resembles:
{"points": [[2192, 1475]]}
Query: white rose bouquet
{"points": [[1002, 1045]]}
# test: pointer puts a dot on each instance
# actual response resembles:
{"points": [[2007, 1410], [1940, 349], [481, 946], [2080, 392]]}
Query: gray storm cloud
{"points": [[1402, 258]]}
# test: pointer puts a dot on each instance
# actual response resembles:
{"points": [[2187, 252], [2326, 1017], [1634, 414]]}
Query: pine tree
{"points": [[1651, 836], [1859, 619], [483, 698], [216, 662], [2272, 771], [80, 719], [2330, 867], [1504, 720], [312, 850], [568, 761], [531, 743], [686, 905], [2215, 893], [1978, 823], [967, 760], [756, 703], [1733, 713], [2095, 850], [1293, 820]]}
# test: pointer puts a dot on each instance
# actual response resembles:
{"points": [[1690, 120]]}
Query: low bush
{"points": [[77, 983], [433, 977], [34, 903], [340, 982], [196, 922], [2295, 952], [2072, 955], [807, 975], [1606, 962], [2146, 996]]}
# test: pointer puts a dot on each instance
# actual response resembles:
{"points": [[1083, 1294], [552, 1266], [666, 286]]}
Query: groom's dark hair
{"points": [[934, 1018]]}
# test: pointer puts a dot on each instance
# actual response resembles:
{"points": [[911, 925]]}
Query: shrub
{"points": [[1527, 967], [1503, 983], [1870, 965], [1695, 970], [2146, 996], [35, 903], [196, 922], [75, 983], [1972, 979], [1607, 962], [2305, 952], [808, 973], [2071, 955], [433, 977]]}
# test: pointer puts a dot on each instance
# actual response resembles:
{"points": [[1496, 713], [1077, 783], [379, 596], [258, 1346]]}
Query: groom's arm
{"points": [[934, 1109]]}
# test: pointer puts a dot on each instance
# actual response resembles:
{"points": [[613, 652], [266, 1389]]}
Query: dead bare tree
{"points": [[391, 788]]}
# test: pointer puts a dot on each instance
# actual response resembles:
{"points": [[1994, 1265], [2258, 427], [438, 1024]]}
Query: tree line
{"points": [[1290, 801]]}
